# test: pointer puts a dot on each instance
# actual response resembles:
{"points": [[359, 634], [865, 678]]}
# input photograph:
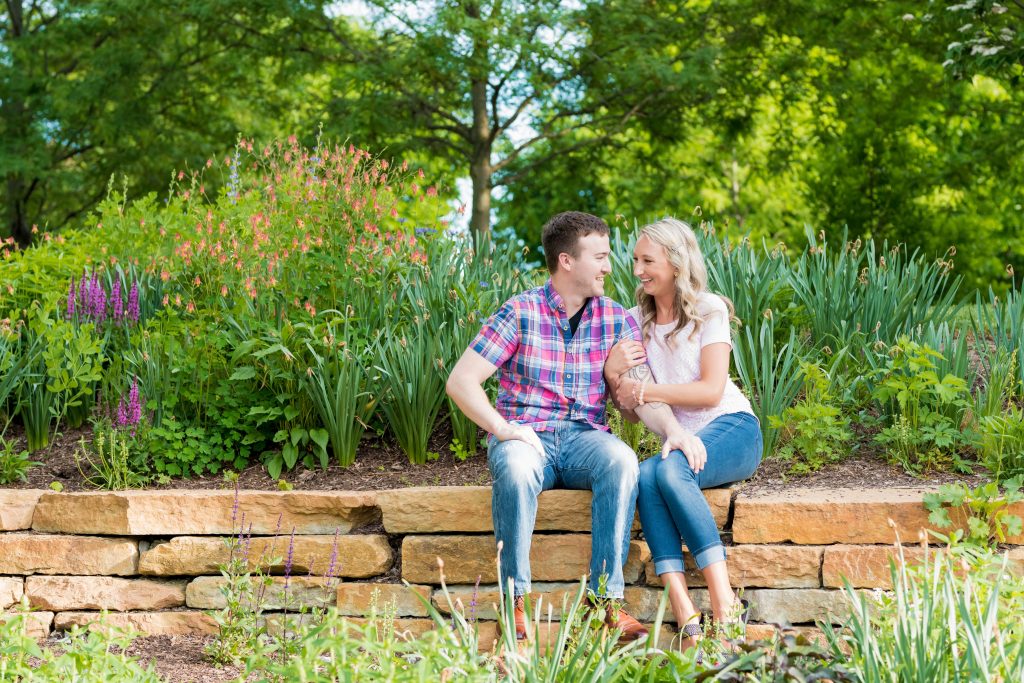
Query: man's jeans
{"points": [[671, 504], [576, 456]]}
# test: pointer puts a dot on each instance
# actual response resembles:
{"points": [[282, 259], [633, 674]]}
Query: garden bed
{"points": [[382, 465]]}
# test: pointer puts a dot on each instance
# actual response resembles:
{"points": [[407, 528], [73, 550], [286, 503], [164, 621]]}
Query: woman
{"points": [[686, 333]]}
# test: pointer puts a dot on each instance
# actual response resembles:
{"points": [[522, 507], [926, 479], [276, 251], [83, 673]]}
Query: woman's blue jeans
{"points": [[671, 504], [576, 456]]}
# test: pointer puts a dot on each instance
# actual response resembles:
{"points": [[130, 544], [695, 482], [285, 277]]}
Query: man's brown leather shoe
{"points": [[519, 618], [630, 627]]}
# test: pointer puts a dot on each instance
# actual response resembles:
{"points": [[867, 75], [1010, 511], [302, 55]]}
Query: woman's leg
{"points": [[733, 444]]}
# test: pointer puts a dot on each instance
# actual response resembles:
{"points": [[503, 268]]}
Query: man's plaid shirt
{"points": [[546, 374]]}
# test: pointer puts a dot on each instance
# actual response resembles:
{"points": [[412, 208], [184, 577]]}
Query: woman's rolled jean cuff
{"points": [[704, 558]]}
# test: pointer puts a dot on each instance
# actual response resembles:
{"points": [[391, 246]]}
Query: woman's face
{"points": [[651, 266]]}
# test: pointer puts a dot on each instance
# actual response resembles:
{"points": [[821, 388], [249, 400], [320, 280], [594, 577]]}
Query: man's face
{"points": [[588, 269]]}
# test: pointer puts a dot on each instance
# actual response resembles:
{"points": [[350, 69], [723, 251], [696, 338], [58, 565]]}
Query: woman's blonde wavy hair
{"points": [[678, 240]]}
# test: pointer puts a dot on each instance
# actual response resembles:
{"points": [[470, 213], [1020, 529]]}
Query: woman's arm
{"points": [[704, 393]]}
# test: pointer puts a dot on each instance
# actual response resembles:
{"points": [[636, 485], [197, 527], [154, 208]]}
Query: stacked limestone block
{"points": [[151, 558]]}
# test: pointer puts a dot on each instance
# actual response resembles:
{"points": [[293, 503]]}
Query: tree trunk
{"points": [[17, 224], [13, 114], [480, 135]]}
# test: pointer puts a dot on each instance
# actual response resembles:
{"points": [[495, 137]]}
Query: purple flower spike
{"points": [[288, 560], [116, 304], [83, 294], [134, 405], [133, 302], [122, 413], [101, 305], [95, 290]]}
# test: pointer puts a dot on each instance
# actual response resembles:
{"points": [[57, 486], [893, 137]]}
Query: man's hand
{"points": [[520, 433], [691, 446]]}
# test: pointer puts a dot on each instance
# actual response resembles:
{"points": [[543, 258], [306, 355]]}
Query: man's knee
{"points": [[619, 465], [515, 464]]}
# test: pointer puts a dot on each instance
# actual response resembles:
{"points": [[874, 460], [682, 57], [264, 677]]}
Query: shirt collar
{"points": [[553, 297]]}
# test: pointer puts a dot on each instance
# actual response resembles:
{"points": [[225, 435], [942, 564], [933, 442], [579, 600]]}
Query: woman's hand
{"points": [[690, 444], [624, 356]]}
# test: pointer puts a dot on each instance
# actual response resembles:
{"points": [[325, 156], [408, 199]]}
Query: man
{"points": [[549, 346]]}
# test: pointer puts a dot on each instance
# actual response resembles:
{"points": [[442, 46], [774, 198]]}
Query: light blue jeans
{"points": [[671, 504], [576, 456]]}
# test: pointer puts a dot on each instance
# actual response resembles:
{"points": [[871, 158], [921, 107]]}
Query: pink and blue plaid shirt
{"points": [[546, 374]]}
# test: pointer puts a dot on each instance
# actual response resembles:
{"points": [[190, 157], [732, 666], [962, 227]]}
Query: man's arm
{"points": [[465, 386]]}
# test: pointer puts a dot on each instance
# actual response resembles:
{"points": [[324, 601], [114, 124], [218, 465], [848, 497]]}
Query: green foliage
{"points": [[772, 377], [338, 384], [1002, 317], [984, 509], [240, 623], [984, 37], [813, 430], [14, 463], [74, 356], [37, 406], [785, 657], [93, 655], [109, 461], [58, 151], [413, 379], [925, 411], [954, 617], [641, 440], [179, 449], [859, 287], [999, 441]]}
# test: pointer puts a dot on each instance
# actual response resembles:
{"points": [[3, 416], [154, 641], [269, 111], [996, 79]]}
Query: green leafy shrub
{"points": [[984, 509], [14, 463], [814, 431], [925, 411], [109, 461]]}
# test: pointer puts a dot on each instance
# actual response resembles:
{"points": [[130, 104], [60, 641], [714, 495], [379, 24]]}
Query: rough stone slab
{"points": [[468, 558], [825, 516], [797, 606], [769, 631], [864, 566], [542, 597], [760, 566], [204, 592], [16, 508], [440, 509], [357, 599], [11, 590], [643, 602], [37, 624], [184, 623], [76, 555], [180, 513], [68, 593], [357, 556]]}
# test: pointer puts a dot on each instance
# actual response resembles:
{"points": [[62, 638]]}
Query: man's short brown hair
{"points": [[562, 233]]}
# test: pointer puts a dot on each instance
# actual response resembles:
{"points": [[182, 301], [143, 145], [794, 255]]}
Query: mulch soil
{"points": [[382, 465]]}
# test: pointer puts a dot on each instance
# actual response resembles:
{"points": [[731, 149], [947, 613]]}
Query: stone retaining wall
{"points": [[151, 557]]}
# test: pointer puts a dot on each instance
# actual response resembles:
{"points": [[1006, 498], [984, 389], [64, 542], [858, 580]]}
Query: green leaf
{"points": [[320, 437], [290, 454], [244, 372]]}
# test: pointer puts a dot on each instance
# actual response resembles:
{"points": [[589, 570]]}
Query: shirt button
{"points": [[569, 376]]}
